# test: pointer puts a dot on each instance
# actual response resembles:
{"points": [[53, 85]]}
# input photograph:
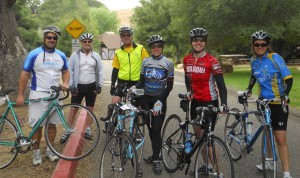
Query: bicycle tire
{"points": [[77, 144], [172, 141], [234, 134], [267, 161], [8, 136], [119, 158], [220, 162], [138, 137]]}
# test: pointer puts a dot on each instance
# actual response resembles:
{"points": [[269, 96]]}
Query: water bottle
{"points": [[188, 143], [249, 130]]}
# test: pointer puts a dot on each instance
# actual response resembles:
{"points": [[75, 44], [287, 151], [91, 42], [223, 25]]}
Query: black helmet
{"points": [[125, 29], [198, 33], [52, 29], [86, 36], [260, 35], [155, 39]]}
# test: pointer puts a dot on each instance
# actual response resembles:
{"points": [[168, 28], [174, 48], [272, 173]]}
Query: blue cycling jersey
{"points": [[270, 72]]}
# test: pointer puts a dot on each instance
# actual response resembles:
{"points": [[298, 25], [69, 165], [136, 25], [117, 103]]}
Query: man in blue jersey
{"points": [[274, 80], [43, 66]]}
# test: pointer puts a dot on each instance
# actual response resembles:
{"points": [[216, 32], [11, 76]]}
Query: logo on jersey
{"points": [[155, 73], [195, 69]]}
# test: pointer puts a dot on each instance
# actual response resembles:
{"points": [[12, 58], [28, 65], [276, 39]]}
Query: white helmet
{"points": [[86, 36]]}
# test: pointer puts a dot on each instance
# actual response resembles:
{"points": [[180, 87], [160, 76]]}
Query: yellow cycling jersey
{"points": [[129, 61]]}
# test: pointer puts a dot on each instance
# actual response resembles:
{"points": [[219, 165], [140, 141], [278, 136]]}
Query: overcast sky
{"points": [[120, 4]]}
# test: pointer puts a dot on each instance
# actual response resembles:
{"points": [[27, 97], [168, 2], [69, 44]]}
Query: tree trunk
{"points": [[12, 51]]}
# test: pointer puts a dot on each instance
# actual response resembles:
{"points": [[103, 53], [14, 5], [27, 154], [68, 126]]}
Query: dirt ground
{"points": [[22, 166]]}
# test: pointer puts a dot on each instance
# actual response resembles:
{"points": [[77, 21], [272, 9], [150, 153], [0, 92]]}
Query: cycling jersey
{"points": [[201, 72], [156, 72], [45, 67], [270, 73], [129, 61]]}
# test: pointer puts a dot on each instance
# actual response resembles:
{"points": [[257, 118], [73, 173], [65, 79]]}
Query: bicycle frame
{"points": [[10, 108]]}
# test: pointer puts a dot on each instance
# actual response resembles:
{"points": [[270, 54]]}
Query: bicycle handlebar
{"points": [[201, 111], [146, 115]]}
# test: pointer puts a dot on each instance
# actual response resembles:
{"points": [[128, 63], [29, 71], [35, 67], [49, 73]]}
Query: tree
{"points": [[11, 48]]}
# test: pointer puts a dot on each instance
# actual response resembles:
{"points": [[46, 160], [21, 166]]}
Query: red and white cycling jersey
{"points": [[201, 72]]}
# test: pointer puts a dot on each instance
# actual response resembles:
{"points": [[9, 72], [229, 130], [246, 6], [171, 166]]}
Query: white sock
{"points": [[287, 174], [37, 152]]}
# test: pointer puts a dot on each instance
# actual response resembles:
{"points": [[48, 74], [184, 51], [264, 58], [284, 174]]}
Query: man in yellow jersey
{"points": [[126, 66]]}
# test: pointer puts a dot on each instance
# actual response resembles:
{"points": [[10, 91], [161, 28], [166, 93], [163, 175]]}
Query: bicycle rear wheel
{"points": [[214, 160], [172, 141], [268, 160], [8, 136], [75, 133], [234, 134], [119, 158]]}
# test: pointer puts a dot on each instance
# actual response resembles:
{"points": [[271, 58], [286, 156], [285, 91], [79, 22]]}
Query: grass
{"points": [[239, 79]]}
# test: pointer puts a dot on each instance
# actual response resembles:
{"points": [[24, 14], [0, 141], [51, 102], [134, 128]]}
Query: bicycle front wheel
{"points": [[268, 153], [213, 159], [172, 141], [72, 131], [119, 158], [8, 136], [234, 133]]}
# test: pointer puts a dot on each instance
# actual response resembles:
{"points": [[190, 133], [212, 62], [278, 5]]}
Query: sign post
{"points": [[75, 28]]}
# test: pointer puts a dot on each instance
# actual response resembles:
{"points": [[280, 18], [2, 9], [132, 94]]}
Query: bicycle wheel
{"points": [[213, 159], [172, 141], [75, 133], [119, 158], [268, 154], [138, 137], [8, 136], [234, 134]]}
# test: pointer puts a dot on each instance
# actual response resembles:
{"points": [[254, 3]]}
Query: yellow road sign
{"points": [[75, 28]]}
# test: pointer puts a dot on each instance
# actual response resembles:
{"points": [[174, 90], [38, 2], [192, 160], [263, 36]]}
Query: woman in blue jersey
{"points": [[157, 78], [275, 80]]}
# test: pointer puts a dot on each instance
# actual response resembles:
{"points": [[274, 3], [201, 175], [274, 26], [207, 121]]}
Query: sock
{"points": [[37, 152], [287, 174]]}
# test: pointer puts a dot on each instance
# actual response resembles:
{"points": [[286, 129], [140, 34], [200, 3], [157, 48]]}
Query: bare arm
{"points": [[65, 78], [25, 76]]}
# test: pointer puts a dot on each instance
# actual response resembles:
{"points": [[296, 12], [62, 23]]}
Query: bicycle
{"points": [[123, 144], [13, 141], [213, 157], [238, 132]]}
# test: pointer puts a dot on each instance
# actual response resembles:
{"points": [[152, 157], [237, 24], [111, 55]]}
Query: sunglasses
{"points": [[260, 44], [87, 41], [198, 40], [51, 37], [156, 46], [125, 35]]}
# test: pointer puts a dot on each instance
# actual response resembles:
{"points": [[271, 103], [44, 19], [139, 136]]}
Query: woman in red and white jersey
{"points": [[203, 77]]}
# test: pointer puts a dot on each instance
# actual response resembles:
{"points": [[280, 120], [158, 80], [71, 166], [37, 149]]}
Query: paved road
{"points": [[245, 168]]}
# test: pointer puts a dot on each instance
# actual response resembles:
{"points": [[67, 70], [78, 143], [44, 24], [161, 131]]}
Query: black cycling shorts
{"points": [[120, 87], [278, 117], [86, 91]]}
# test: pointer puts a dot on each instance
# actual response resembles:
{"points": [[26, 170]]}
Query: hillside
{"points": [[124, 16]]}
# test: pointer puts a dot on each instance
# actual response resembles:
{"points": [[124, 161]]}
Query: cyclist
{"points": [[202, 72], [157, 78], [86, 77], [275, 80], [43, 66], [126, 66]]}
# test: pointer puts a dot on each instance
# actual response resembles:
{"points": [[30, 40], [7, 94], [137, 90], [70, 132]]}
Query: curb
{"points": [[65, 168]]}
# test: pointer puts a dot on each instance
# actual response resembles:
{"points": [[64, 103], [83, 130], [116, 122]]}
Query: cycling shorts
{"points": [[278, 117]]}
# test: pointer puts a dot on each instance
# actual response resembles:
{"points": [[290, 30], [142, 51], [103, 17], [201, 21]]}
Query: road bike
{"points": [[240, 135], [213, 158], [124, 149], [13, 141]]}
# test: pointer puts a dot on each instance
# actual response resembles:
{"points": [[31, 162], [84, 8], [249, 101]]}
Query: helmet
{"points": [[155, 39], [260, 35], [52, 29], [198, 32], [86, 36], [125, 29]]}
